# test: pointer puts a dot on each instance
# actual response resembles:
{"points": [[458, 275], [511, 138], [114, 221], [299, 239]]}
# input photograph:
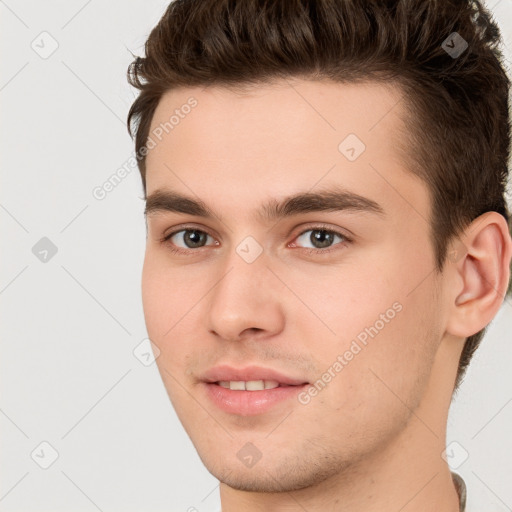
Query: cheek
{"points": [[169, 298], [340, 302], [154, 296], [162, 300], [162, 306], [385, 331], [166, 292]]}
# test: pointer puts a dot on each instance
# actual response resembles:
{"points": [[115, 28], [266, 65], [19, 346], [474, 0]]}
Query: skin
{"points": [[372, 439]]}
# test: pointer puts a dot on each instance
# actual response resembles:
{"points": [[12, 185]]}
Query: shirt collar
{"points": [[460, 485]]}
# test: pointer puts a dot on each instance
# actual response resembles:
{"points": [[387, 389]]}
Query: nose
{"points": [[247, 302]]}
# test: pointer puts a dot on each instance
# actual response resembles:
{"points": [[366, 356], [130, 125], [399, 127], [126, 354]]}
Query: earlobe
{"points": [[484, 271]]}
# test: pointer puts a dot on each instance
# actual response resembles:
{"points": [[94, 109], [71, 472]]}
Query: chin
{"points": [[272, 476]]}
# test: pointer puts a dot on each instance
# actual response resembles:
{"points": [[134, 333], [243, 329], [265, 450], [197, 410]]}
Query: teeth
{"points": [[254, 385], [250, 385]]}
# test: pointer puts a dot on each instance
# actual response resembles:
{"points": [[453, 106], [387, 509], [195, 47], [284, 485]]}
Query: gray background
{"points": [[70, 324]]}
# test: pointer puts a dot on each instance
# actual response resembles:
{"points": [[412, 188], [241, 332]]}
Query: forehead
{"points": [[281, 138], [295, 110]]}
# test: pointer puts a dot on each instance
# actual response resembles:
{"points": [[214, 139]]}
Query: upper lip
{"points": [[229, 373]]}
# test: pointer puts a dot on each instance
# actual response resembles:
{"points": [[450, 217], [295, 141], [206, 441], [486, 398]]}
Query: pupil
{"points": [[194, 238], [321, 238]]}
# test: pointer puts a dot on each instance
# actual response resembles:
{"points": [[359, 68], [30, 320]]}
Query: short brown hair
{"points": [[458, 115]]}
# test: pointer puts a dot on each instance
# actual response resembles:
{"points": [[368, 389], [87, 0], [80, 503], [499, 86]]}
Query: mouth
{"points": [[237, 397], [251, 376], [250, 385], [250, 391]]}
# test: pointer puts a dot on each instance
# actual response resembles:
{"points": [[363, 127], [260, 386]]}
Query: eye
{"points": [[321, 239], [185, 239]]}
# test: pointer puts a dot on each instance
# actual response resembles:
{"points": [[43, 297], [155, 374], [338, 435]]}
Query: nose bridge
{"points": [[244, 296]]}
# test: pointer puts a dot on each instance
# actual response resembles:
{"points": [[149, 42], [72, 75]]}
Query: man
{"points": [[328, 239]]}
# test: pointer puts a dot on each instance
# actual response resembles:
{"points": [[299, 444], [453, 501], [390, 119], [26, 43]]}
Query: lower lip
{"points": [[249, 403]]}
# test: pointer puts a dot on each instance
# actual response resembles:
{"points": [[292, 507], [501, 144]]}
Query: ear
{"points": [[479, 267]]}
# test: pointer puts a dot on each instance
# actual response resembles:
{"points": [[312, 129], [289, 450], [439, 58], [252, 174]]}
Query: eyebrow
{"points": [[329, 200]]}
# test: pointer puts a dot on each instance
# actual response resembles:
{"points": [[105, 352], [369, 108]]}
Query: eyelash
{"points": [[308, 250]]}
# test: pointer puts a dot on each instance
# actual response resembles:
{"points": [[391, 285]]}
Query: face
{"points": [[331, 296]]}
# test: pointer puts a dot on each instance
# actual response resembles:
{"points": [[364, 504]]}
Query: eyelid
{"points": [[345, 233], [186, 227], [319, 225]]}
